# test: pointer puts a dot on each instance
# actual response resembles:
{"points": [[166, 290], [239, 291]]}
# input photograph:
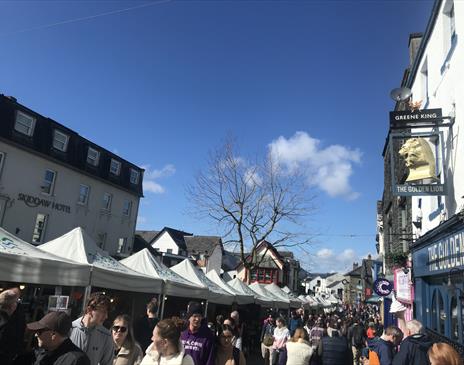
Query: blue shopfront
{"points": [[438, 272]]}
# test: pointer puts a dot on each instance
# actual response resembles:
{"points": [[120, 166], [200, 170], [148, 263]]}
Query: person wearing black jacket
{"points": [[9, 348], [334, 348], [413, 349], [55, 347], [144, 326]]}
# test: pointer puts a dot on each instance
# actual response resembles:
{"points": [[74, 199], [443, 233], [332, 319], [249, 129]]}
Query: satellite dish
{"points": [[400, 94]]}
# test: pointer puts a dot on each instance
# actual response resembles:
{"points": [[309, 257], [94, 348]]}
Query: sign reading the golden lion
{"points": [[417, 165]]}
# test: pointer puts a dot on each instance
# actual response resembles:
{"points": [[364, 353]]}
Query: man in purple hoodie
{"points": [[198, 339]]}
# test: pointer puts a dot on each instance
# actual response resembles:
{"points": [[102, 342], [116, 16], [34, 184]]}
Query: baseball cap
{"points": [[59, 322]]}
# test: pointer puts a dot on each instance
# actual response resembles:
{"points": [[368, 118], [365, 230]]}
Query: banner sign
{"points": [[418, 116], [403, 286], [416, 161], [383, 287]]}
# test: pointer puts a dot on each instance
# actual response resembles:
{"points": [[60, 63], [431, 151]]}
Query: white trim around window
{"points": [[115, 167], [93, 156], [134, 176], [84, 192], [48, 184], [24, 123], [60, 140], [127, 208], [107, 200], [39, 228], [2, 162]]}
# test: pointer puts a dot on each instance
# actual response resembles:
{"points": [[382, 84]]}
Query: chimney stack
{"points": [[355, 265]]}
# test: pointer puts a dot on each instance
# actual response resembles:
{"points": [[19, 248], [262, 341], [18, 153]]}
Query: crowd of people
{"points": [[348, 336]]}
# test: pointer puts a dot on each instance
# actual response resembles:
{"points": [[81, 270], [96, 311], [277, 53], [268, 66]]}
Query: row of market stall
{"points": [[74, 259]]}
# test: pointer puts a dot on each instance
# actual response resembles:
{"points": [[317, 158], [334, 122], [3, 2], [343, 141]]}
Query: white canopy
{"points": [[107, 272], [313, 302], [277, 301], [240, 297], [23, 262], [215, 295], [144, 263], [305, 302], [278, 292], [241, 287]]}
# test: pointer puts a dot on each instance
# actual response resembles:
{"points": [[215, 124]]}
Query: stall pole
{"points": [[163, 299]]}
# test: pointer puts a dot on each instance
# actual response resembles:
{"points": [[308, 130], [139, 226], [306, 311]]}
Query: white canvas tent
{"points": [[215, 294], [305, 302], [107, 272], [241, 287], [174, 284], [277, 301], [278, 292], [23, 262], [240, 297]]}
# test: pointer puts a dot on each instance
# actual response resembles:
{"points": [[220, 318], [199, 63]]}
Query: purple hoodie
{"points": [[199, 345]]}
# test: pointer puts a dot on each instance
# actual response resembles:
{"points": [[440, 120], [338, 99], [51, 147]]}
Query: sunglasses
{"points": [[121, 329]]}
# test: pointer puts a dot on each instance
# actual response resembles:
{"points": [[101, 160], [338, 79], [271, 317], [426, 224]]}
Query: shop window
{"points": [[442, 313], [434, 312], [253, 275], [261, 275], [454, 319]]}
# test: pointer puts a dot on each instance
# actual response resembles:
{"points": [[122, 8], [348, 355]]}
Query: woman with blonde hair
{"points": [[126, 350], [166, 348], [443, 354], [299, 350]]}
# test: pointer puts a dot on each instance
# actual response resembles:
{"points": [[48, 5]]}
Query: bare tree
{"points": [[252, 202]]}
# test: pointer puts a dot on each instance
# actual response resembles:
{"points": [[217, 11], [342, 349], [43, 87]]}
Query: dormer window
{"points": [[93, 156], [24, 123], [60, 141], [134, 176], [115, 167]]}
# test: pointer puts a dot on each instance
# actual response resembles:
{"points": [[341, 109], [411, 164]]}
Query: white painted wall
{"points": [[165, 242], [23, 172], [446, 90]]}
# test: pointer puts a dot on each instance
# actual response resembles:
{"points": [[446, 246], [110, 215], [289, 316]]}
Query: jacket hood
{"points": [[422, 341]]}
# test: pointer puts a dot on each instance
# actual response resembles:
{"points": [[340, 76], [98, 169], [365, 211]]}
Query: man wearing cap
{"points": [[55, 347], [89, 334], [198, 339]]}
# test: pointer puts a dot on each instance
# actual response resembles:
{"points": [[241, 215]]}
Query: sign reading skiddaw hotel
{"points": [[34, 202]]}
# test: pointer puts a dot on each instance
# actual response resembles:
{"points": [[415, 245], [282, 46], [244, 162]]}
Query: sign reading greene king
{"points": [[424, 115], [34, 201]]}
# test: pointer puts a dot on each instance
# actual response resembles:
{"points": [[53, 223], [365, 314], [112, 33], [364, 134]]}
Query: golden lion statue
{"points": [[418, 158]]}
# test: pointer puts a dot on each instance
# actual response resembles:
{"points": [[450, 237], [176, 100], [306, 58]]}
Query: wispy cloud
{"points": [[329, 168], [151, 177], [328, 260]]}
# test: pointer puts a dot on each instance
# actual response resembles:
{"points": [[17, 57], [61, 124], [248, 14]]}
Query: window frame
{"points": [[2, 162], [30, 133], [87, 196], [118, 171], [57, 132], [42, 229], [122, 248], [107, 207], [51, 189], [90, 161], [129, 208], [136, 174]]}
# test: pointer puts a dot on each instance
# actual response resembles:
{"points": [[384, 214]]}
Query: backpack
{"points": [[358, 337], [373, 358]]}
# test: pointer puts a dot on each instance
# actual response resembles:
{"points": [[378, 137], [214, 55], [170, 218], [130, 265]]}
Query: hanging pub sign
{"points": [[383, 287], [424, 116], [416, 161]]}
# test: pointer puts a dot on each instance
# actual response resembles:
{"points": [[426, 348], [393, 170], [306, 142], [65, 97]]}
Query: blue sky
{"points": [[162, 84]]}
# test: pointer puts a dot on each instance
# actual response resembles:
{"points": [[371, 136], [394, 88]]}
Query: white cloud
{"points": [[150, 177], [252, 177], [328, 260], [328, 168]]}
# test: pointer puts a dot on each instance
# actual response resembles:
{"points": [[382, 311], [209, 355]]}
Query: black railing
{"points": [[436, 337]]}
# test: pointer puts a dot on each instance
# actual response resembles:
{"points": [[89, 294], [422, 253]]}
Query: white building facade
{"points": [[53, 180]]}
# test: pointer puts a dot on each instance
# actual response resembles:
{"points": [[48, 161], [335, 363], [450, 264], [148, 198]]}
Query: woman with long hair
{"points": [[299, 350], [279, 349], [166, 348], [126, 350], [443, 354], [227, 353]]}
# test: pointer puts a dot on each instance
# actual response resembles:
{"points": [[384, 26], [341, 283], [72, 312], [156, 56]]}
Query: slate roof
{"points": [[140, 243], [176, 235], [147, 235], [230, 260], [355, 272], [335, 283], [202, 244], [286, 254]]}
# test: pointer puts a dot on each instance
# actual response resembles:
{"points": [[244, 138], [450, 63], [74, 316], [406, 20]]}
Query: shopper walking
{"points": [[281, 335], [9, 348], [299, 350], [443, 354], [144, 326], [127, 350], [227, 353]]}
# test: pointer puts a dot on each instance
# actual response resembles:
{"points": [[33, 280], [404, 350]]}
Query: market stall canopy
{"points": [[22, 262], [313, 302], [241, 287], [240, 297], [306, 304], [174, 284], [278, 292], [215, 293], [107, 272], [262, 291]]}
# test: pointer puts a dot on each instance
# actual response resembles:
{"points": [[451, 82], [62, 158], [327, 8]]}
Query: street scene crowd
{"points": [[349, 335]]}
